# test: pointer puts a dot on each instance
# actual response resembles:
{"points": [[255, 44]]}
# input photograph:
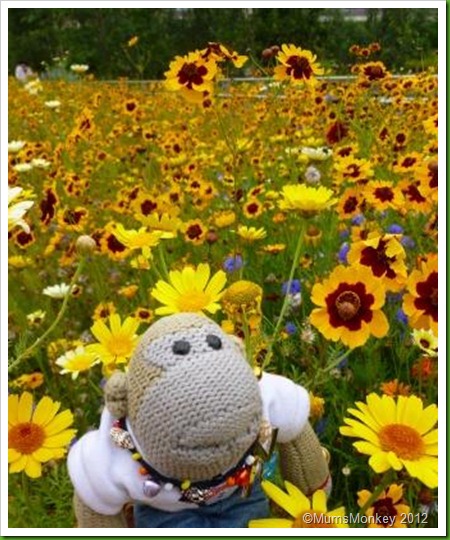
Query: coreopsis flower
{"points": [[384, 255], [29, 380], [421, 301], [303, 512], [192, 76], [250, 234], [190, 290], [350, 303], [395, 388], [396, 434], [382, 195], [297, 65], [351, 169], [116, 343], [36, 435], [426, 340], [388, 509], [220, 53], [17, 210], [373, 71], [305, 199], [77, 360]]}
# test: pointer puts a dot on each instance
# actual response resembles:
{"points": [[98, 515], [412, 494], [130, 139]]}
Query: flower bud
{"points": [[85, 245]]}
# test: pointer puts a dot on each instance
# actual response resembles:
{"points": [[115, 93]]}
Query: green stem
{"points": [[284, 307], [55, 323], [162, 260]]}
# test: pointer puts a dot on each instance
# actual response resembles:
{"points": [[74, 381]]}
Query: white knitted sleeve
{"points": [[93, 464], [285, 405]]}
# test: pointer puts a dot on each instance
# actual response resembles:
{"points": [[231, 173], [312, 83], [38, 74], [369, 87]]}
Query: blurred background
{"points": [[50, 39]]}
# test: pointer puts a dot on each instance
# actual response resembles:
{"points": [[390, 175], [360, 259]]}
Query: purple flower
{"points": [[290, 328], [401, 316], [407, 242], [293, 289], [395, 229], [233, 263], [358, 220], [343, 252]]}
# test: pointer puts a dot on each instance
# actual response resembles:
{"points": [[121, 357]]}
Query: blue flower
{"points": [[343, 252], [401, 316], [293, 289], [407, 242], [395, 229], [290, 328], [358, 220], [233, 263]]}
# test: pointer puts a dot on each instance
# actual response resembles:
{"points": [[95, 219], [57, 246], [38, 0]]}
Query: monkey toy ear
{"points": [[116, 391]]}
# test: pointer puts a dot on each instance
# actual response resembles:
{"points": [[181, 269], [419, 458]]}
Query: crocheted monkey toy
{"points": [[183, 432]]}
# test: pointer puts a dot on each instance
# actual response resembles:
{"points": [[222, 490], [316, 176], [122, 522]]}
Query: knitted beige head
{"points": [[191, 399]]}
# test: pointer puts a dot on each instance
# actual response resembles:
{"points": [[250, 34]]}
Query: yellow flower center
{"points": [[26, 438], [242, 293], [403, 440], [120, 346], [347, 305], [193, 301], [314, 520]]}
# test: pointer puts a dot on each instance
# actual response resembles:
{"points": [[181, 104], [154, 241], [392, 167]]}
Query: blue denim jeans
{"points": [[234, 512]]}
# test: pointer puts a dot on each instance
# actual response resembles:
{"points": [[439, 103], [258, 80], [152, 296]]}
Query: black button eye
{"points": [[214, 342], [181, 347]]}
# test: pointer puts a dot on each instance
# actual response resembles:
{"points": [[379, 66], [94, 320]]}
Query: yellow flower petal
{"points": [[59, 423], [25, 408], [33, 468], [45, 411], [319, 501], [285, 501], [379, 462], [270, 523]]}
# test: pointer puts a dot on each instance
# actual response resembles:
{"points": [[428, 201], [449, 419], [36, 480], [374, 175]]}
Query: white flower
{"points": [[57, 291], [312, 175], [23, 167], [53, 104], [18, 210], [33, 87], [40, 163], [319, 154], [79, 68], [15, 146]]}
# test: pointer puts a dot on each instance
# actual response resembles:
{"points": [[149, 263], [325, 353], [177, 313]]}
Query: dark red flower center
{"points": [[413, 194], [428, 296], [350, 205], [349, 305], [384, 194], [299, 67], [194, 232], [252, 208], [384, 508], [147, 207], [47, 206], [114, 245], [378, 261], [374, 72], [191, 74], [433, 174]]}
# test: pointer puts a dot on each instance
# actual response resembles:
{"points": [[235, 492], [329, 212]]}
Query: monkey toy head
{"points": [[190, 398]]}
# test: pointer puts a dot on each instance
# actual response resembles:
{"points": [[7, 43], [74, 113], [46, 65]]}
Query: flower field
{"points": [[298, 212]]}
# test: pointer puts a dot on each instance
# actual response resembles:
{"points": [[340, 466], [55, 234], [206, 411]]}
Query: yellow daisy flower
{"points": [[190, 290], [116, 343], [36, 435], [250, 234], [137, 239], [304, 513], [306, 200], [76, 361], [397, 434]]}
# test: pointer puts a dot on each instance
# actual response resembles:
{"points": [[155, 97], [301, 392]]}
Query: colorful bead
{"points": [[136, 456], [150, 488], [185, 484]]}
